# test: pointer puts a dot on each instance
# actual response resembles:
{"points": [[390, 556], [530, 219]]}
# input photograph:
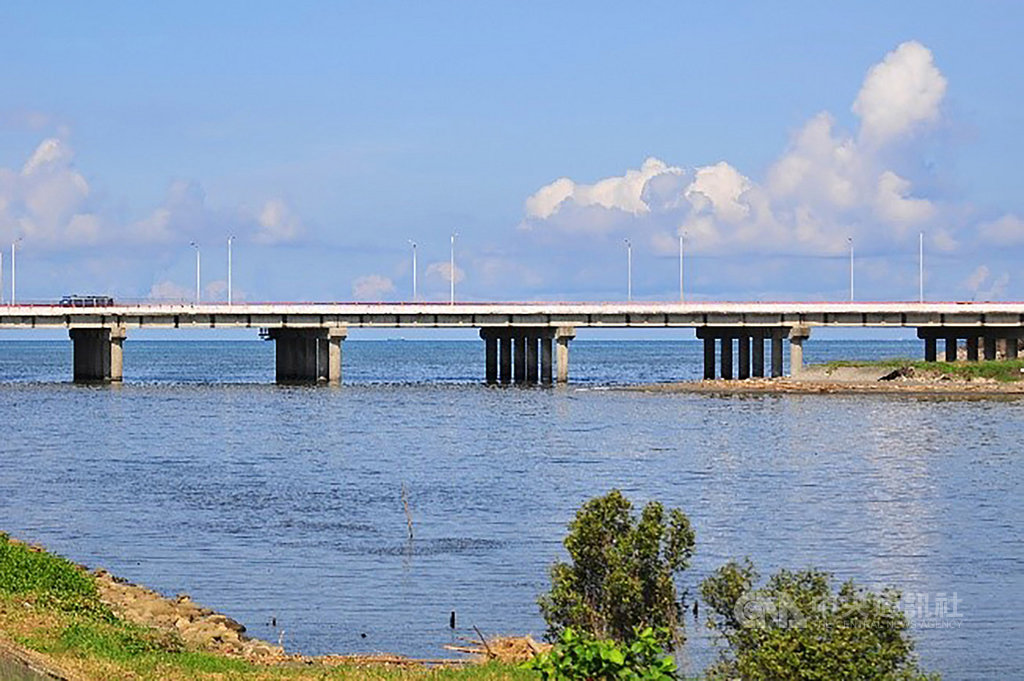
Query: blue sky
{"points": [[324, 136]]}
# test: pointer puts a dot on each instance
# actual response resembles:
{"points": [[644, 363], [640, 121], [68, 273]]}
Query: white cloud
{"points": [[1006, 231], [277, 223], [170, 292], [624, 193], [48, 201], [982, 288], [900, 94], [827, 184], [443, 271], [372, 287]]}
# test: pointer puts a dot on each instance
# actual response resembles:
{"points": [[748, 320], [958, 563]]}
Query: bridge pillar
{"points": [[1010, 351], [563, 335], [743, 370], [972, 348], [726, 357], [757, 356], [777, 335], [990, 347], [505, 358], [545, 358], [531, 358], [930, 349], [98, 354], [308, 355], [709, 357], [950, 348], [797, 336], [490, 337], [519, 369]]}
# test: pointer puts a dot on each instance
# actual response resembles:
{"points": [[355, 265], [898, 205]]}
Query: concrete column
{"points": [[97, 354], [777, 352], [709, 358], [726, 357], [505, 358], [332, 372], [563, 335], [797, 336], [117, 336], [520, 365], [950, 348], [1011, 348], [930, 349], [531, 358], [972, 348], [491, 355], [743, 370], [308, 355], [545, 359], [990, 347], [757, 354]]}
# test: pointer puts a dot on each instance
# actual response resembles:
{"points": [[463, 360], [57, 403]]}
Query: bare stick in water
{"points": [[405, 505]]}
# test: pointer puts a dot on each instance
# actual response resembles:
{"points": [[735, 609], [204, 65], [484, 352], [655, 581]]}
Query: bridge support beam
{"points": [[524, 355], [930, 349], [308, 355], [743, 370], [757, 354], [797, 336], [725, 358], [98, 354], [777, 336], [563, 334]]}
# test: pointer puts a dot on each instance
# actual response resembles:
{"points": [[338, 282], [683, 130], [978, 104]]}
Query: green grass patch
{"points": [[1005, 371], [48, 579]]}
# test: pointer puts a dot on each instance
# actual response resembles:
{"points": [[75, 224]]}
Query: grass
{"points": [[51, 606], [1004, 371]]}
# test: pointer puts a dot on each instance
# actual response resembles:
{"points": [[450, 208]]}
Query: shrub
{"points": [[621, 574], [798, 627], [578, 656]]}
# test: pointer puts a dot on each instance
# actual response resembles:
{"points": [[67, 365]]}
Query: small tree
{"points": [[621, 574], [797, 627]]}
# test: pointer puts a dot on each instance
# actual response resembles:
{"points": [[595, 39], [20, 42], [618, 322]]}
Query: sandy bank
{"points": [[819, 380]]}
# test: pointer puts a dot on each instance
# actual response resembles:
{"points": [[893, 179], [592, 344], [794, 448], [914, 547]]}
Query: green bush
{"points": [[54, 581], [796, 627], [621, 577], [578, 656]]}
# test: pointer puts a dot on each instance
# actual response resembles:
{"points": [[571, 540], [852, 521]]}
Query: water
{"points": [[264, 502]]}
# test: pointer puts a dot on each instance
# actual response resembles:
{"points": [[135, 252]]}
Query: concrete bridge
{"points": [[524, 343]]}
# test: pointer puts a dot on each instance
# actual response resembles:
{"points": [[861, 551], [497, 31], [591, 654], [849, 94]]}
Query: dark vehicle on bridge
{"points": [[86, 301]]}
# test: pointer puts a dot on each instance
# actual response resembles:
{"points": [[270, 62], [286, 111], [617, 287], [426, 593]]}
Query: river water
{"points": [[285, 503]]}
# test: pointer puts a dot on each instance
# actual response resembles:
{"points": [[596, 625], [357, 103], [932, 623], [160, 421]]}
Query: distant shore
{"points": [[887, 377]]}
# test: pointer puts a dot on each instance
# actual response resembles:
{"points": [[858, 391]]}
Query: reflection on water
{"points": [[285, 503]]}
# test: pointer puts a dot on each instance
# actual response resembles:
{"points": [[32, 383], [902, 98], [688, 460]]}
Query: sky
{"points": [[325, 137]]}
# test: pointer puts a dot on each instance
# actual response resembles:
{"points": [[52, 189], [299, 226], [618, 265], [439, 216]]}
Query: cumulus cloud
{"points": [[372, 287], [48, 201], [170, 292], [624, 193], [1006, 231], [900, 94], [983, 287], [277, 223], [826, 185], [443, 271]]}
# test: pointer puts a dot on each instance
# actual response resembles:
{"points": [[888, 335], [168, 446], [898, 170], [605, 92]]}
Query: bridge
{"points": [[525, 343]]}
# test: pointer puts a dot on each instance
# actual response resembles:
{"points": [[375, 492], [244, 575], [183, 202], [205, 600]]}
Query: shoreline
{"points": [[880, 379]]}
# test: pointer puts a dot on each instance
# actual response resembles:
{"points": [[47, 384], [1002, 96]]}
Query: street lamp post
{"points": [[413, 244], [2, 278], [230, 239], [451, 270], [629, 270], [682, 296], [920, 268], [14, 281], [850, 241], [196, 246]]}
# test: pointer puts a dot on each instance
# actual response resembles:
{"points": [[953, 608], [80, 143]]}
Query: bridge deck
{"points": [[620, 315]]}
